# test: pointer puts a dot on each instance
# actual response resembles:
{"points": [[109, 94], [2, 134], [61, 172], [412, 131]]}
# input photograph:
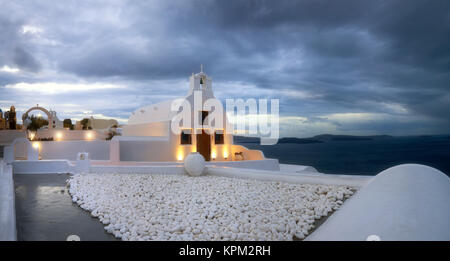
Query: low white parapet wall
{"points": [[42, 167], [97, 149], [79, 166], [257, 170], [298, 168], [163, 169], [175, 167], [290, 177], [7, 204], [264, 164]]}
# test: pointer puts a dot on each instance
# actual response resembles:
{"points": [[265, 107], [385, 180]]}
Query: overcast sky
{"points": [[342, 67]]}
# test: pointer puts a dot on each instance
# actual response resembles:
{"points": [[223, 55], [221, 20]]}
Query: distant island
{"points": [[316, 139], [330, 137]]}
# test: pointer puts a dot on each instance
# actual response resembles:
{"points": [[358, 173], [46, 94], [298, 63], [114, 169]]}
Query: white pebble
{"points": [[180, 207]]}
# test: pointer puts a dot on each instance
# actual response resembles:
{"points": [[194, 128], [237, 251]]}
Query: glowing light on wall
{"points": [[180, 150], [89, 135], [225, 153], [180, 156], [58, 135], [36, 145], [32, 135], [213, 155]]}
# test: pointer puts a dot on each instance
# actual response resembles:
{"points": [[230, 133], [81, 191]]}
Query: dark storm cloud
{"points": [[25, 60], [14, 50], [320, 57]]}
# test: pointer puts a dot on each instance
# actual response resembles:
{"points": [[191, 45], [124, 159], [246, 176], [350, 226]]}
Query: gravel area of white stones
{"points": [[178, 207]]}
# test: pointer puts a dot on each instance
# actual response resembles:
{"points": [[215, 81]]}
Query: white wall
{"points": [[147, 129], [158, 150], [261, 172], [20, 150], [64, 166], [8, 136], [248, 154], [98, 149], [164, 170], [7, 204], [264, 164], [164, 150], [63, 134], [405, 202], [130, 149], [42, 167]]}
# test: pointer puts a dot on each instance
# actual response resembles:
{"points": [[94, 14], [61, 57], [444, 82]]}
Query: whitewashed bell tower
{"points": [[201, 82]]}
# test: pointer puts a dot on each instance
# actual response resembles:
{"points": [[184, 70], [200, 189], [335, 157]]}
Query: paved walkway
{"points": [[45, 211]]}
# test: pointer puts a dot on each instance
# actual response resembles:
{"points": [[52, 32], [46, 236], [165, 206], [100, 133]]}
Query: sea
{"points": [[363, 157]]}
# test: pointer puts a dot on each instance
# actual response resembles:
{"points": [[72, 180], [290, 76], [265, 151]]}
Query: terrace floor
{"points": [[44, 211]]}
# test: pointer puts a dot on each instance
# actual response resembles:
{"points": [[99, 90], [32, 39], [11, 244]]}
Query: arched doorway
{"points": [[51, 121]]}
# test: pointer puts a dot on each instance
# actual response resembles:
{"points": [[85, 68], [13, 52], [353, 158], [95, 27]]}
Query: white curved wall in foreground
{"points": [[405, 202]]}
